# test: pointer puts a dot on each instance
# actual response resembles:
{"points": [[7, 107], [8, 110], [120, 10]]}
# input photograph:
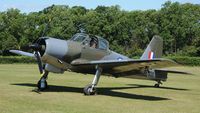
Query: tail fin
{"points": [[154, 49]]}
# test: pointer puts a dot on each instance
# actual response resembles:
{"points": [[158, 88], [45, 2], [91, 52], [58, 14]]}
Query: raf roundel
{"points": [[119, 58]]}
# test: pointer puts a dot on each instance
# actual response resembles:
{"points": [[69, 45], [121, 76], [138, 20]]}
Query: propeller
{"points": [[37, 48], [39, 61]]}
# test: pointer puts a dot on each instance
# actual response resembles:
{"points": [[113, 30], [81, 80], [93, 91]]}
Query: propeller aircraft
{"points": [[90, 54]]}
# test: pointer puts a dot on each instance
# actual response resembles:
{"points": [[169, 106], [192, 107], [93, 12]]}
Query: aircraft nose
{"points": [[56, 47]]}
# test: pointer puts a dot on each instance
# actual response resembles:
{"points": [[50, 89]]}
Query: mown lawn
{"points": [[180, 94]]}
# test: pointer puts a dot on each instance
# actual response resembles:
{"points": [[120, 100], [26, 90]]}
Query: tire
{"points": [[40, 86]]}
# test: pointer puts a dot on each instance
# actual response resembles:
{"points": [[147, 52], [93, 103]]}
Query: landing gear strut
{"points": [[158, 83], [91, 88], [42, 83]]}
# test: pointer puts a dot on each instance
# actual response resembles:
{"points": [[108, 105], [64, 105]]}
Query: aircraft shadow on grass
{"points": [[108, 91], [147, 86]]}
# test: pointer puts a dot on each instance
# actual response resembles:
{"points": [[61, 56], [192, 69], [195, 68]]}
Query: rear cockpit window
{"points": [[103, 44], [79, 37]]}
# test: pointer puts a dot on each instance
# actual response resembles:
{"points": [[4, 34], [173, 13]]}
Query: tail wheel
{"points": [[89, 90]]}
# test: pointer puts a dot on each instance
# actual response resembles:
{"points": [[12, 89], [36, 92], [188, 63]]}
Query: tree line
{"points": [[127, 31]]}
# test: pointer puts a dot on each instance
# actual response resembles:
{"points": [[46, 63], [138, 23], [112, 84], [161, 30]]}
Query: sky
{"points": [[27, 6]]}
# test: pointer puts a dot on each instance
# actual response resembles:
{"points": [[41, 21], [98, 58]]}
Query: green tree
{"points": [[128, 32]]}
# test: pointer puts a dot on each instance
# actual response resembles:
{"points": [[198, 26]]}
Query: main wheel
{"points": [[42, 84], [88, 90], [157, 85]]}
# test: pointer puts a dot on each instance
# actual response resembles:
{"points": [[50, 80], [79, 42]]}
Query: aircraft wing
{"points": [[126, 65]]}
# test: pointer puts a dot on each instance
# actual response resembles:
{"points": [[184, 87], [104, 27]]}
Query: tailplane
{"points": [[154, 49]]}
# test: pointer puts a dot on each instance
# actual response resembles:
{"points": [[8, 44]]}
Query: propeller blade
{"points": [[35, 47], [39, 61], [21, 53]]}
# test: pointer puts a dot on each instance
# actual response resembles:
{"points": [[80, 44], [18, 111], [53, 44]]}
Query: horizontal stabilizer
{"points": [[22, 53], [175, 71]]}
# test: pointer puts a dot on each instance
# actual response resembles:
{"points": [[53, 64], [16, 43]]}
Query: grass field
{"points": [[180, 94]]}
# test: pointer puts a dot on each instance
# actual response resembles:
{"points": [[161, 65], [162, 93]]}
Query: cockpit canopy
{"points": [[91, 40]]}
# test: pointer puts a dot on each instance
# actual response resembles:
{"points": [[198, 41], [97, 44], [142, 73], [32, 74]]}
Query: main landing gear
{"points": [[42, 83], [158, 83], [91, 88]]}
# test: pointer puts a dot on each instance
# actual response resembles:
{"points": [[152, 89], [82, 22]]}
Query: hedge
{"points": [[16, 59], [184, 60]]}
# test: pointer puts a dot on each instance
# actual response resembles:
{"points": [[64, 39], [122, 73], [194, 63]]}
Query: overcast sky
{"points": [[37, 5]]}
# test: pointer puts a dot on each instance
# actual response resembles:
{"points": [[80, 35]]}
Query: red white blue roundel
{"points": [[151, 55]]}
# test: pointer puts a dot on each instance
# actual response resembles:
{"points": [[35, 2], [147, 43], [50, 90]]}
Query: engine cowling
{"points": [[65, 50], [56, 53], [54, 47]]}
